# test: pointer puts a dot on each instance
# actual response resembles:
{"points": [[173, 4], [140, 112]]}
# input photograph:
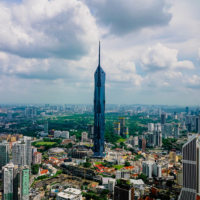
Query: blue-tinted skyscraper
{"points": [[99, 110]]}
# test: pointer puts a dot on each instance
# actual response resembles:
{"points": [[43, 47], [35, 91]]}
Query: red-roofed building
{"points": [[43, 172], [130, 168]]}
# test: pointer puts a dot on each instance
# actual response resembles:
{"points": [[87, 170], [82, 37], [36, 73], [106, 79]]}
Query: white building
{"points": [[111, 184], [70, 194], [63, 134], [147, 168], [150, 127], [157, 170]]}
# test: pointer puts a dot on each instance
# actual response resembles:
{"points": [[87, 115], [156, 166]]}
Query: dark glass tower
{"points": [[99, 110]]}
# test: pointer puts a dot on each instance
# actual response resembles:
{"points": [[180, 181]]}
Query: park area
{"points": [[44, 143]]}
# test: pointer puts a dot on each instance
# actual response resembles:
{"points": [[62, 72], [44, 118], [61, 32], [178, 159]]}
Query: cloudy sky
{"points": [[150, 51]]}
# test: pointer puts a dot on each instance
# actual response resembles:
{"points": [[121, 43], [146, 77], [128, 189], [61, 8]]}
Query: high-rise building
{"points": [[142, 144], [33, 149], [29, 112], [150, 127], [125, 132], [91, 131], [122, 124], [24, 182], [46, 129], [189, 127], [4, 154], [147, 168], [158, 138], [117, 128], [123, 191], [176, 131], [151, 139], [163, 119], [99, 110], [10, 182], [167, 130], [187, 110], [191, 179], [19, 153], [157, 170], [27, 141]]}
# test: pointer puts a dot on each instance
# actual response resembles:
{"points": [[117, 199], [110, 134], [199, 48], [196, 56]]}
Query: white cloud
{"points": [[160, 57], [42, 29]]}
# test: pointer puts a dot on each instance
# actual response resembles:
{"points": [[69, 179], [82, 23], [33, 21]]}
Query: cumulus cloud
{"points": [[160, 57], [42, 29], [122, 17]]}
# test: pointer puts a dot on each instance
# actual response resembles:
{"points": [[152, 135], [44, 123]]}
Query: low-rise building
{"points": [[70, 194]]}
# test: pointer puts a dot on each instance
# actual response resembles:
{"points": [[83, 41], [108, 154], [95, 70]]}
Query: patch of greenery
{"points": [[118, 166]]}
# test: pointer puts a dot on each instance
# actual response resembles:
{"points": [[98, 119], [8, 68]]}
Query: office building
{"points": [[117, 128], [125, 132], [46, 127], [10, 182], [4, 154], [150, 127], [176, 131], [122, 124], [187, 110], [99, 110], [167, 130], [142, 144], [70, 194], [27, 141], [158, 138], [37, 158], [147, 168], [157, 127], [91, 131], [151, 139], [163, 119], [191, 179], [19, 154], [24, 182], [157, 170], [123, 191], [122, 174]]}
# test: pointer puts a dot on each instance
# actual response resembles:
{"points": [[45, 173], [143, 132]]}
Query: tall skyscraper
{"points": [[10, 182], [27, 141], [199, 124], [46, 130], [19, 153], [163, 118], [24, 183], [176, 131], [4, 154], [191, 179], [99, 110], [91, 131], [122, 124], [187, 110]]}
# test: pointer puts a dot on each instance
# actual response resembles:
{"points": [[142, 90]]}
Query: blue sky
{"points": [[150, 51]]}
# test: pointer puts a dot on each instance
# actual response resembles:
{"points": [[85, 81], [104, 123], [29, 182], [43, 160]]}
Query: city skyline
{"points": [[153, 61]]}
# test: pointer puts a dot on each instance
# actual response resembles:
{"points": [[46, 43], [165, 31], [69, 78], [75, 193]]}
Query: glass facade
{"points": [[99, 110]]}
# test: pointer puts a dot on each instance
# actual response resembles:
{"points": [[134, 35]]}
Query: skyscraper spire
{"points": [[99, 53]]}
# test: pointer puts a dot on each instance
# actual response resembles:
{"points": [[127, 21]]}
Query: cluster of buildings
{"points": [[120, 128]]}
